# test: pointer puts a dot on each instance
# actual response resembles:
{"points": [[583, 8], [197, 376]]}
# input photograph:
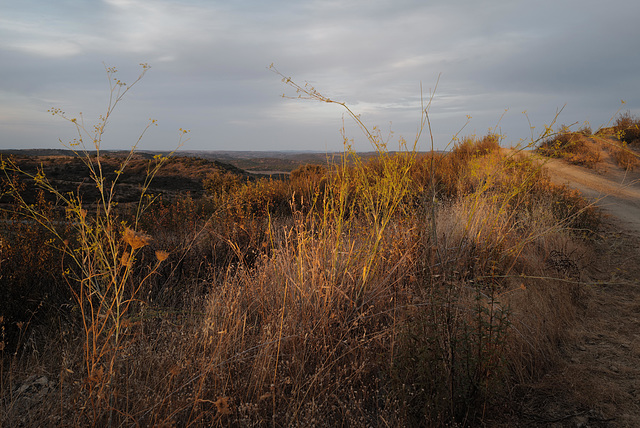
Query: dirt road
{"points": [[616, 191], [598, 382]]}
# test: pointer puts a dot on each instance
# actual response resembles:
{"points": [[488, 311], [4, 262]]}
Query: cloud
{"points": [[209, 63], [33, 39]]}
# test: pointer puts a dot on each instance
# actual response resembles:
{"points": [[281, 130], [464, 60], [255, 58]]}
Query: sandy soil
{"points": [[598, 382], [616, 191]]}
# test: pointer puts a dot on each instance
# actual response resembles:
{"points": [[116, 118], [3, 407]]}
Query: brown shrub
{"points": [[218, 183], [308, 183]]}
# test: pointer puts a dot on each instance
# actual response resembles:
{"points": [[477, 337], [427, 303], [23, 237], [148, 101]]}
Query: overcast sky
{"points": [[209, 71]]}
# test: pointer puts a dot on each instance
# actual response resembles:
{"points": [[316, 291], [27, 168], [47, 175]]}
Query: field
{"points": [[393, 289]]}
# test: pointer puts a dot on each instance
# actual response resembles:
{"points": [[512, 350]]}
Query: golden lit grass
{"points": [[292, 337]]}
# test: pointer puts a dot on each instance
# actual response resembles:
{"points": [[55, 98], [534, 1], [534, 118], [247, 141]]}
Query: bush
{"points": [[472, 147], [308, 184], [573, 147], [625, 157], [219, 183], [627, 127], [585, 130], [33, 288]]}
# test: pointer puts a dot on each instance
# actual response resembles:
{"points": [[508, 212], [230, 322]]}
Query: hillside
{"points": [[178, 176]]}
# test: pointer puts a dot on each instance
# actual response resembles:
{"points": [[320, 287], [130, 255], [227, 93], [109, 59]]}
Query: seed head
{"points": [[135, 239], [223, 406]]}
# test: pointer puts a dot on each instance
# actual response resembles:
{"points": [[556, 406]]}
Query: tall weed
{"points": [[99, 249]]}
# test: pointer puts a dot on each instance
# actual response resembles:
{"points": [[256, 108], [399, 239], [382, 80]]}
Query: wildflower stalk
{"points": [[101, 248]]}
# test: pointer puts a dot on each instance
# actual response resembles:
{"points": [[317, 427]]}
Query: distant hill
{"points": [[68, 173], [262, 163], [273, 161]]}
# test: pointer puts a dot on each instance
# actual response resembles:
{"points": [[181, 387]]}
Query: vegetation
{"points": [[405, 290], [627, 128], [584, 148], [575, 147]]}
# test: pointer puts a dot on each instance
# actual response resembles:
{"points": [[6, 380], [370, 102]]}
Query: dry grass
{"points": [[293, 335], [624, 156], [404, 291]]}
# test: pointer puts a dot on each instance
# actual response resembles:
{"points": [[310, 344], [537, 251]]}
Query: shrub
{"points": [[572, 147], [308, 182], [585, 130], [471, 147], [33, 289], [625, 157], [219, 183], [627, 128]]}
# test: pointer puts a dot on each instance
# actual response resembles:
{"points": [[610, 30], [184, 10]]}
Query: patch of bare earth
{"points": [[597, 383]]}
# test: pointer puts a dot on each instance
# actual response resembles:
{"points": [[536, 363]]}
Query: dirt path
{"points": [[598, 382], [617, 192]]}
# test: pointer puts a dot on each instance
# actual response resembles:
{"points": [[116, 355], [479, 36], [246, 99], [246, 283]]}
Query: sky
{"points": [[489, 60]]}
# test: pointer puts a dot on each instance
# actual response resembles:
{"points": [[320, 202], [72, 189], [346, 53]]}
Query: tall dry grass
{"points": [[410, 290]]}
